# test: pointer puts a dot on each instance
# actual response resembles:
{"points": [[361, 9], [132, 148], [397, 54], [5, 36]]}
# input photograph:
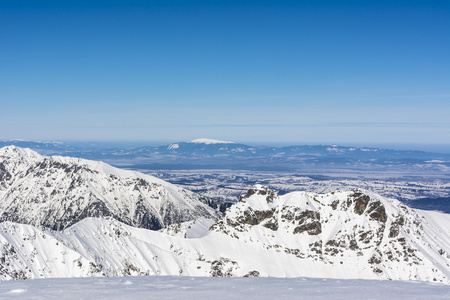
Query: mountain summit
{"points": [[57, 192]]}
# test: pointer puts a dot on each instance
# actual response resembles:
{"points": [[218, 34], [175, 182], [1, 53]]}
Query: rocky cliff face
{"points": [[342, 228], [57, 192]]}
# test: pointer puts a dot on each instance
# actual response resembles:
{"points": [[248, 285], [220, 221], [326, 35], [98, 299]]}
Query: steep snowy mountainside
{"points": [[191, 229], [351, 234], [359, 230], [57, 192], [28, 252], [14, 160]]}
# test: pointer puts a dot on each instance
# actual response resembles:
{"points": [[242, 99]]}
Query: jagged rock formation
{"points": [[57, 192], [342, 228], [352, 234]]}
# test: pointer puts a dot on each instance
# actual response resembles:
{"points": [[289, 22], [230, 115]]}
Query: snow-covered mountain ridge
{"points": [[57, 192], [351, 234]]}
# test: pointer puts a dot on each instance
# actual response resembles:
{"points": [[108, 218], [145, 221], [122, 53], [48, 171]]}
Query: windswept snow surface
{"points": [[199, 288]]}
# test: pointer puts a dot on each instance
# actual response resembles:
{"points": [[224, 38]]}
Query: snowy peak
{"points": [[263, 206], [17, 154], [209, 141], [57, 192], [13, 161], [351, 227], [259, 196]]}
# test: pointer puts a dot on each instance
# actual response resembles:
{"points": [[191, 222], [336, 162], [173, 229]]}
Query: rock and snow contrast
{"points": [[345, 235], [57, 192]]}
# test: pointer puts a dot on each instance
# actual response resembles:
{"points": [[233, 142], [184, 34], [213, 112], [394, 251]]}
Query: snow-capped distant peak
{"points": [[209, 141], [17, 140], [30, 141]]}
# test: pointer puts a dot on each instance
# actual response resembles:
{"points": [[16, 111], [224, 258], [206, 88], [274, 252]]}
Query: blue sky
{"points": [[300, 72]]}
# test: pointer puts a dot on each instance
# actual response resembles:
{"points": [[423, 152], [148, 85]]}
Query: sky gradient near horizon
{"points": [[299, 72]]}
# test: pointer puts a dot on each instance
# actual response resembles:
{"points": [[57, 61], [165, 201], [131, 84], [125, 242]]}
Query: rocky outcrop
{"points": [[334, 228], [262, 191]]}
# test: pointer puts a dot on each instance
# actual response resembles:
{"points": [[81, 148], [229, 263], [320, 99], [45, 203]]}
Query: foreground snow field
{"points": [[175, 287]]}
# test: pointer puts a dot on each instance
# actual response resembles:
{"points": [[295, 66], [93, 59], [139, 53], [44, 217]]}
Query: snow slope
{"points": [[176, 287], [345, 235], [57, 192]]}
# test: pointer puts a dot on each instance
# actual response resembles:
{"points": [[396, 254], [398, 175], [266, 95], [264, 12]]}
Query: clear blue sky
{"points": [[300, 72]]}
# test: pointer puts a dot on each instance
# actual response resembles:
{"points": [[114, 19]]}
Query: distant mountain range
{"points": [[209, 154]]}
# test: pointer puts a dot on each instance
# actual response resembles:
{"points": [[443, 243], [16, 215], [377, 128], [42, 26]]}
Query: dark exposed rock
{"points": [[4, 174], [360, 200], [308, 221], [364, 204], [254, 217], [377, 212], [332, 247], [313, 228], [250, 192], [334, 204], [271, 224], [263, 190], [288, 213], [252, 274], [353, 245], [145, 219], [222, 268], [366, 236], [394, 230], [374, 260], [377, 271], [336, 243], [316, 247], [216, 204]]}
